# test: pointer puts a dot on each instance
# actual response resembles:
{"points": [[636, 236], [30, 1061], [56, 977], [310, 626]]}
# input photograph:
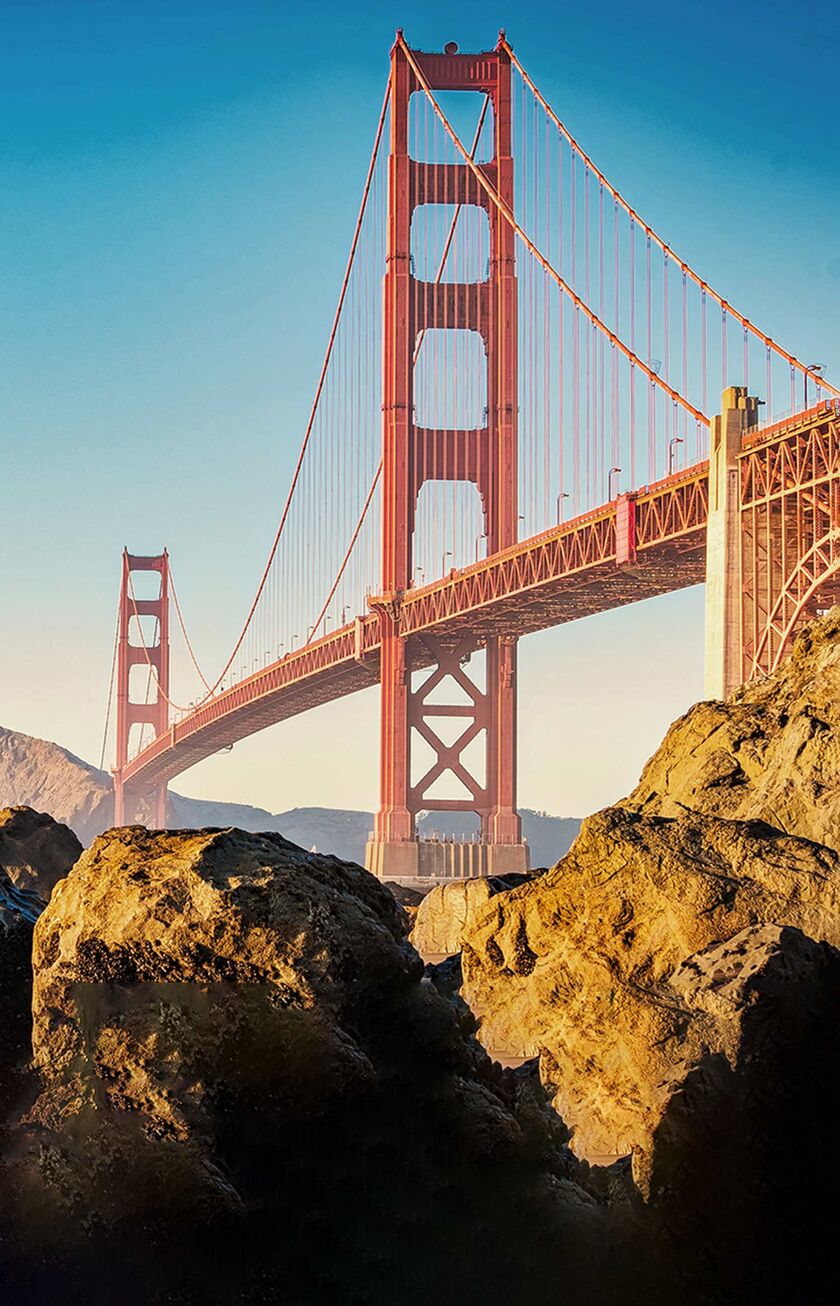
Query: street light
{"points": [[816, 368], [560, 499], [614, 471], [672, 444], [447, 553], [478, 540]]}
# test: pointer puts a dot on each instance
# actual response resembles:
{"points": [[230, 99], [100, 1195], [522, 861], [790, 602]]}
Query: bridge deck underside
{"points": [[566, 574]]}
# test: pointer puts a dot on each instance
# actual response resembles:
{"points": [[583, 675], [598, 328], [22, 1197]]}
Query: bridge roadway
{"points": [[632, 548]]}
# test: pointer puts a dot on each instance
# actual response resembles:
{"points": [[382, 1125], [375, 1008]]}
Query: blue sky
{"points": [[179, 182]]}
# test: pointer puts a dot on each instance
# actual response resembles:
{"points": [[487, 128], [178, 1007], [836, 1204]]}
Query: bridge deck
{"points": [[561, 575]]}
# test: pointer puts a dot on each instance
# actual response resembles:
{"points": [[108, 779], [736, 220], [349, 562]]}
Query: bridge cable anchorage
{"points": [[421, 335], [313, 411], [684, 267], [505, 211]]}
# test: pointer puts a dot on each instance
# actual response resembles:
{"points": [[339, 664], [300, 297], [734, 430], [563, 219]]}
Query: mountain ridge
{"points": [[48, 777]]}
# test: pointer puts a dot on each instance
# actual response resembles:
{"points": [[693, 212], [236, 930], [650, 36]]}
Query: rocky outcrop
{"points": [[449, 909], [35, 851], [579, 965], [242, 1028], [770, 752], [742, 1176], [19, 909]]}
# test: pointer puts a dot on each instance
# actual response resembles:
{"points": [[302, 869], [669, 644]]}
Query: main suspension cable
{"points": [[110, 691], [657, 240], [318, 391], [504, 209]]}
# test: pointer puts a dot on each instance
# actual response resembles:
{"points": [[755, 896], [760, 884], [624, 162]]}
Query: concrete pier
{"points": [[723, 672], [428, 862]]}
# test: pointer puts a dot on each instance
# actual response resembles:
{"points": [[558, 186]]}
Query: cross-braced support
{"points": [[414, 454], [135, 649]]}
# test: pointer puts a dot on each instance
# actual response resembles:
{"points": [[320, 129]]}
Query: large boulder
{"points": [[742, 1175], [771, 751], [250, 1093], [578, 966], [448, 910], [35, 851]]}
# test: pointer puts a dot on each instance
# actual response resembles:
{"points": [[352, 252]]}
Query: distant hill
{"points": [[43, 775]]}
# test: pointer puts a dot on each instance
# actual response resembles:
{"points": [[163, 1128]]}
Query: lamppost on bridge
{"points": [[817, 369], [672, 444], [447, 553], [560, 499], [614, 471], [478, 540]]}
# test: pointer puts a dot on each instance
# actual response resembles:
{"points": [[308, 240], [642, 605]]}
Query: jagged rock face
{"points": [[35, 851], [243, 1028], [443, 914], [743, 1185], [19, 909], [578, 966], [771, 751]]}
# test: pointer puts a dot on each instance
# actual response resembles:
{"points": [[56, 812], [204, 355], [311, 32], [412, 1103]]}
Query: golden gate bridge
{"points": [[518, 422]]}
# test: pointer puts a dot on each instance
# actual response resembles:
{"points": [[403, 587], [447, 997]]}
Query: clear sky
{"points": [[179, 183]]}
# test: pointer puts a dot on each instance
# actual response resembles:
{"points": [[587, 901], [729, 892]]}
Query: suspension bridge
{"points": [[531, 409]]}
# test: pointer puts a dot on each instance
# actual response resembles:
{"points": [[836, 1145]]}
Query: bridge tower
{"points": [[414, 454], [155, 657]]}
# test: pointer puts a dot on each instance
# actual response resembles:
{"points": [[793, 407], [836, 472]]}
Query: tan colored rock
{"points": [[35, 851], [449, 909], [242, 1029], [771, 751], [578, 965]]}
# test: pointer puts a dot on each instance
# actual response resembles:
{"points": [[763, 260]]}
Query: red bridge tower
{"points": [[155, 657], [414, 454]]}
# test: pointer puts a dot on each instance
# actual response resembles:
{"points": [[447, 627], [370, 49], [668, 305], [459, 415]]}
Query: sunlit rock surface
{"points": [[578, 965], [771, 751], [248, 1089], [444, 913]]}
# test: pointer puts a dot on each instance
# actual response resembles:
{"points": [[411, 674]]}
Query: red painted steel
{"points": [[558, 576], [155, 712], [413, 454], [790, 532], [790, 478], [646, 542]]}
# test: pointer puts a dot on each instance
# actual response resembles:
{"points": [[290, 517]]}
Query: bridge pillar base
{"points": [[723, 598], [433, 860]]}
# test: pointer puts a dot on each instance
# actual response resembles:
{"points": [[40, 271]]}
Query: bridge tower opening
{"points": [[415, 453], [137, 647]]}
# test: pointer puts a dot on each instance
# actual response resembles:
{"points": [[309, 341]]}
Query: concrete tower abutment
{"points": [[723, 634]]}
